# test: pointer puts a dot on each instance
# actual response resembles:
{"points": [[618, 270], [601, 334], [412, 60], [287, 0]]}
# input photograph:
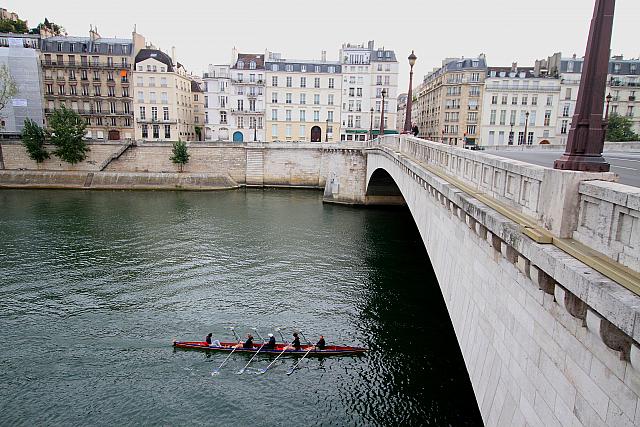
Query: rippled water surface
{"points": [[95, 285]]}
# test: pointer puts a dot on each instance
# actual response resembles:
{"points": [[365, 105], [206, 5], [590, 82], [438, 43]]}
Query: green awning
{"points": [[357, 131], [386, 132]]}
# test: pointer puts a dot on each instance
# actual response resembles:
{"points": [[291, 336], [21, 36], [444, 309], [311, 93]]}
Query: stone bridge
{"points": [[539, 271], [539, 268]]}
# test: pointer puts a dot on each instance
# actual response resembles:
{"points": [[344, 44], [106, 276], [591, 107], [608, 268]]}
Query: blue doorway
{"points": [[237, 136]]}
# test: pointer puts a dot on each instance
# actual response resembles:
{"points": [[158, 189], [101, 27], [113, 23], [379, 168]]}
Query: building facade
{"points": [[367, 71], [164, 98], [623, 84], [92, 76], [401, 111], [235, 99], [448, 105], [19, 53], [520, 106], [303, 99]]}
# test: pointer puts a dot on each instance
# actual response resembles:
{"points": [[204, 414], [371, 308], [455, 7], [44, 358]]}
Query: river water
{"points": [[95, 285]]}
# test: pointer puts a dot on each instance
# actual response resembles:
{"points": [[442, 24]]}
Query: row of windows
{"points": [[84, 90], [84, 47], [302, 115], [524, 100], [84, 75], [302, 98], [522, 117], [84, 61], [303, 68], [510, 138], [288, 131], [303, 82], [96, 107]]}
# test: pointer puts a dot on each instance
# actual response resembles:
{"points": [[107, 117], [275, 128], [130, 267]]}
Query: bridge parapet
{"points": [[609, 221], [548, 196]]}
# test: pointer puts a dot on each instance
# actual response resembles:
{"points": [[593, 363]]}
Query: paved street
{"points": [[625, 163]]}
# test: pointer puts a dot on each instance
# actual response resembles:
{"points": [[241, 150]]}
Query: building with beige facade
{"points": [[520, 105], [92, 76], [623, 84], [366, 72], [448, 105], [164, 99], [303, 99]]}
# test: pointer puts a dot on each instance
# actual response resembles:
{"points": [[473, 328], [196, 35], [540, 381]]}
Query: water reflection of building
{"points": [[19, 52]]}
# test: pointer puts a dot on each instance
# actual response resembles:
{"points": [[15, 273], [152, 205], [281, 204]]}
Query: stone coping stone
{"points": [[619, 194]]}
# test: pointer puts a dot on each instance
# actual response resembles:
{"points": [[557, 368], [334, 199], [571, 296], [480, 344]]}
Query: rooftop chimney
{"points": [[371, 44], [324, 56], [514, 66], [173, 54]]}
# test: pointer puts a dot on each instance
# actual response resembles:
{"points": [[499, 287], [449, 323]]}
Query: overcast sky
{"points": [[204, 32]]}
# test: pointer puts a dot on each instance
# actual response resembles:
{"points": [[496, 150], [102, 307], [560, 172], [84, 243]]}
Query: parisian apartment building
{"points": [[92, 76], [367, 71], [448, 102], [623, 84], [235, 99], [166, 98], [303, 99], [520, 105]]}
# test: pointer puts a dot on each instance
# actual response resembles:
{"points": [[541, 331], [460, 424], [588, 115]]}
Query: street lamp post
{"points": [[407, 117], [371, 125], [384, 93], [525, 141], [586, 137]]}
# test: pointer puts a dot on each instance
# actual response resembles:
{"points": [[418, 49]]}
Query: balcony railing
{"points": [[74, 64]]}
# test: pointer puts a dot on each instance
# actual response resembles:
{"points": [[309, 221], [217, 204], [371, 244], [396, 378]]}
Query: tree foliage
{"points": [[620, 128], [66, 131], [33, 138], [180, 154], [16, 27], [8, 86]]}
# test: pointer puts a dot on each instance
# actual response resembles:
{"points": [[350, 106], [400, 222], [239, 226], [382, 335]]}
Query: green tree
{"points": [[66, 131], [54, 28], [33, 137], [17, 27], [180, 154], [620, 128]]}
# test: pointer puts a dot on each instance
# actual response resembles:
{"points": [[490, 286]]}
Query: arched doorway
{"points": [[237, 136], [316, 134], [114, 135]]}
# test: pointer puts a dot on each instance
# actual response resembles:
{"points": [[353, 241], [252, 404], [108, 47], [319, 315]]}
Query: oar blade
{"points": [[215, 372]]}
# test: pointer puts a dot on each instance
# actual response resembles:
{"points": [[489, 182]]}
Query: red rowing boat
{"points": [[330, 350]]}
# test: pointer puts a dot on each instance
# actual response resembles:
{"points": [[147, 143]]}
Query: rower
{"points": [[249, 342], [208, 339], [296, 341], [271, 344], [321, 344]]}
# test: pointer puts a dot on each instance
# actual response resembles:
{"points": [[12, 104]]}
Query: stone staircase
{"points": [[115, 156], [255, 167]]}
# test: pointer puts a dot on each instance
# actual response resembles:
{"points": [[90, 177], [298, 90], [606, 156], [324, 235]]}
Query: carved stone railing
{"points": [[609, 221], [548, 196]]}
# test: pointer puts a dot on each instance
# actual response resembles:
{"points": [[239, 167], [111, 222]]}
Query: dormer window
{"points": [[240, 65], [274, 67], [252, 65]]}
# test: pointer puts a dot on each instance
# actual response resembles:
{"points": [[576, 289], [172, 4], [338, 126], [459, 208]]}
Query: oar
{"points": [[217, 371], [257, 333], [285, 344], [305, 338], [241, 371], [305, 355]]}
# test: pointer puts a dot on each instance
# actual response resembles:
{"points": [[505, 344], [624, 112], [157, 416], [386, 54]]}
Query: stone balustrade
{"points": [[609, 221], [548, 196]]}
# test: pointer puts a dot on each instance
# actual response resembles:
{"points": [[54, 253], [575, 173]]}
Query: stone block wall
{"points": [[15, 158], [546, 340]]}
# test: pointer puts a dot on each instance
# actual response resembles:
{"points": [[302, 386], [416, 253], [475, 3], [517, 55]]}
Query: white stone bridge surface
{"points": [[548, 327]]}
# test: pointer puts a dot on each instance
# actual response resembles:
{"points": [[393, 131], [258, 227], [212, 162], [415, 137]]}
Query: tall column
{"points": [[586, 137]]}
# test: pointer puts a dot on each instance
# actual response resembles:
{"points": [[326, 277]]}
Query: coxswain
{"points": [[321, 344], [208, 339], [271, 344]]}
